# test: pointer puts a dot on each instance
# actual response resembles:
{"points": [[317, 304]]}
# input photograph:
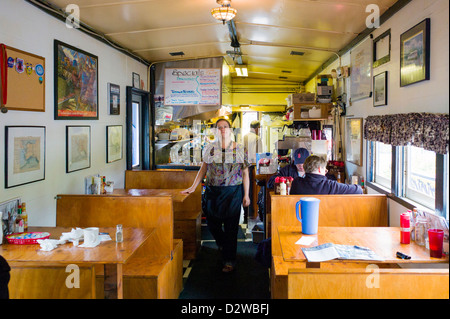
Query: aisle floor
{"points": [[203, 277]]}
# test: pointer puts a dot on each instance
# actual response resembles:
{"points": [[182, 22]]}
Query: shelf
{"points": [[306, 104], [310, 119]]}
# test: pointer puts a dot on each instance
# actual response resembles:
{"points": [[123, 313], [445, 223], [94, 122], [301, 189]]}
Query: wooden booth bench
{"points": [[186, 214], [359, 220]]}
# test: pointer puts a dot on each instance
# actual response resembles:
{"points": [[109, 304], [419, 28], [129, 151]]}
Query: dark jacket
{"points": [[316, 184], [288, 170]]}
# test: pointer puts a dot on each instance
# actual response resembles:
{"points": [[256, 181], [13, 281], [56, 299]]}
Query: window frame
{"points": [[397, 182]]}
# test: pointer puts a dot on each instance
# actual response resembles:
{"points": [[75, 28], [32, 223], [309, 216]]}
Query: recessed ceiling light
{"points": [[176, 53], [297, 53]]}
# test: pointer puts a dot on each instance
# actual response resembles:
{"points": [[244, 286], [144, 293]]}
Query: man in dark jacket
{"points": [[316, 183], [295, 169]]}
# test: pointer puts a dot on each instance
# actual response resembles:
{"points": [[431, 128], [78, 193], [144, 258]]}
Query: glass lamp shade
{"points": [[224, 13]]}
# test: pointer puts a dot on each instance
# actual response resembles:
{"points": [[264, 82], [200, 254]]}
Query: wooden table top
{"points": [[383, 241], [174, 192], [107, 252]]}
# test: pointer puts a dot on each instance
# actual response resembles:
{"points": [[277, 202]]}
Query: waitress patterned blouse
{"points": [[224, 166]]}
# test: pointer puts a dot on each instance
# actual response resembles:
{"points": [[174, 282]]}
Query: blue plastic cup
{"points": [[309, 211]]}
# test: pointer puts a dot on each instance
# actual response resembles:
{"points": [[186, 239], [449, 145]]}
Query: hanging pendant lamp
{"points": [[225, 12]]}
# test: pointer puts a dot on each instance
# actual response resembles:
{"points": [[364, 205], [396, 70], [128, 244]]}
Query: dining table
{"points": [[111, 254], [383, 241]]}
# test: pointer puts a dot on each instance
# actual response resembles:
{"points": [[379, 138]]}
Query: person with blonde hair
{"points": [[316, 183]]}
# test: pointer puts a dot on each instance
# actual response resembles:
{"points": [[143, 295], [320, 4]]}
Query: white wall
{"points": [[427, 96], [27, 28]]}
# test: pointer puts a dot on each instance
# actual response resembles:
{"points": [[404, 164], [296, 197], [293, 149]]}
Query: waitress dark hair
{"points": [[229, 124]]}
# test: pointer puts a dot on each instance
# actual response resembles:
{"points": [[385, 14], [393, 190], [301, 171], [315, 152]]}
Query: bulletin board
{"points": [[26, 81]]}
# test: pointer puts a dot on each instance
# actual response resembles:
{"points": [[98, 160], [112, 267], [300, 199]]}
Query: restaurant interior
{"points": [[107, 107]]}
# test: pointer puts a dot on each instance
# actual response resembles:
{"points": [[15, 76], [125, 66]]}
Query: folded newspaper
{"points": [[331, 251]]}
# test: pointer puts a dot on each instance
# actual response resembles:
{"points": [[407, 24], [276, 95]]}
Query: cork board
{"points": [[26, 92]]}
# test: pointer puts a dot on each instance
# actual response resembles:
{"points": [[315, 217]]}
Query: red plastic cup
{"points": [[436, 241]]}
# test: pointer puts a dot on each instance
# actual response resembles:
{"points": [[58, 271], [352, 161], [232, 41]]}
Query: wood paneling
{"points": [[353, 283]]}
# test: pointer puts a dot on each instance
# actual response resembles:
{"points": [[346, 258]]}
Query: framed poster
{"points": [[361, 71], [354, 140], [78, 148], [380, 89], [382, 49], [192, 86], [25, 155], [113, 99], [415, 54], [76, 83], [114, 149], [136, 81]]}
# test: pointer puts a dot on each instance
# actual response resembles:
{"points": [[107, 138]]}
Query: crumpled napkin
{"points": [[50, 244], [74, 236]]}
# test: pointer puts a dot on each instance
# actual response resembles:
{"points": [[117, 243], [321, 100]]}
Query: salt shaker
{"points": [[119, 233]]}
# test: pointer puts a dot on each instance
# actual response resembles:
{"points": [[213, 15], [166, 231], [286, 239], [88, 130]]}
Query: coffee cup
{"points": [[91, 236]]}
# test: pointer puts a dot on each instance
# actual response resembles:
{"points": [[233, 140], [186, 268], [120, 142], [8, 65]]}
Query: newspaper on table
{"points": [[331, 251]]}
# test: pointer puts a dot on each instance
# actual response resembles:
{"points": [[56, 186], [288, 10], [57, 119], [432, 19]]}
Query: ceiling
{"points": [[267, 31]]}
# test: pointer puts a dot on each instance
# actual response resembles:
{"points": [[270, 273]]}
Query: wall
{"points": [[27, 28], [426, 96]]}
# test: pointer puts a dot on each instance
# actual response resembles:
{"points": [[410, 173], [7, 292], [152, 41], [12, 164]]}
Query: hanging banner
{"points": [[192, 86]]}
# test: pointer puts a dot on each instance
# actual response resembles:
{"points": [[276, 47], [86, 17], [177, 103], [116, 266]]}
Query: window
{"points": [[382, 164], [419, 175], [135, 131]]}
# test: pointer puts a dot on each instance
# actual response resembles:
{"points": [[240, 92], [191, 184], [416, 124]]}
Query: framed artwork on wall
{"points": [[354, 140], [382, 49], [113, 99], [136, 81], [361, 71], [415, 54], [380, 89], [25, 155], [114, 149], [76, 83], [78, 148]]}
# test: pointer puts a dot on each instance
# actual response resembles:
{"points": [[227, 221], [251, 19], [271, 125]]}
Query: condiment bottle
{"points": [[405, 230], [119, 233], [24, 216], [277, 185], [19, 227], [288, 184], [420, 230], [282, 186]]}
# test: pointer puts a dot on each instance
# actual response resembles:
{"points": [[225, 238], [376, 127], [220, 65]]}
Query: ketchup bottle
{"points": [[405, 230]]}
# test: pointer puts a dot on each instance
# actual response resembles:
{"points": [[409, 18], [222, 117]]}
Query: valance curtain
{"points": [[429, 131]]}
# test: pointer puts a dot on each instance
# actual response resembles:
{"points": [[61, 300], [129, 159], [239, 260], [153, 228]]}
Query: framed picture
{"points": [[76, 83], [382, 49], [415, 54], [136, 81], [25, 155], [354, 140], [113, 99], [380, 89], [78, 148], [114, 148], [361, 71]]}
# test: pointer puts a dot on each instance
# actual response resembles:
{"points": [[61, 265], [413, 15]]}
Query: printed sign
{"points": [[192, 87]]}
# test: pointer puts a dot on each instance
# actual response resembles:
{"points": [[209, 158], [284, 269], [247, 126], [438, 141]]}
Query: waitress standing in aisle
{"points": [[225, 164]]}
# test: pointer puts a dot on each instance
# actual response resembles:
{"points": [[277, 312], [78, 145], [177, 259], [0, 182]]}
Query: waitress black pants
{"points": [[226, 238], [222, 207]]}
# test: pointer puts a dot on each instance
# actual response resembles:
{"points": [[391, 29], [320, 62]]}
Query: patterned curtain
{"points": [[429, 131]]}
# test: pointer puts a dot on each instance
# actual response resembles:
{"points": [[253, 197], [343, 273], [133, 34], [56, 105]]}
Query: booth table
{"points": [[109, 253], [295, 277]]}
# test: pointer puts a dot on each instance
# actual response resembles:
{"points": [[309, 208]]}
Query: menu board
{"points": [[192, 86]]}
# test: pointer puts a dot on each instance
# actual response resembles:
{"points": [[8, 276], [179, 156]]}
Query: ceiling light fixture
{"points": [[225, 12], [241, 70]]}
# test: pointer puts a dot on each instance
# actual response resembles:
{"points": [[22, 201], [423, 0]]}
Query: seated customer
{"points": [[294, 170], [316, 183]]}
